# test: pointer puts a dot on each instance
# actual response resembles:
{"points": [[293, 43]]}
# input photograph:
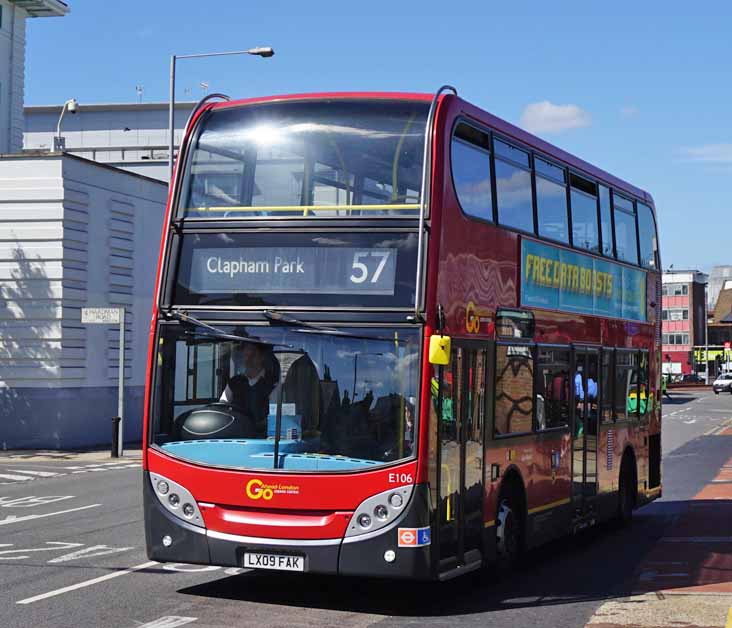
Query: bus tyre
{"points": [[626, 492], [509, 541]]}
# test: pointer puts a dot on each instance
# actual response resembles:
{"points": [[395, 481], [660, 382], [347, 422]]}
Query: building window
{"points": [[675, 289], [551, 201], [675, 314], [675, 339], [471, 171], [514, 389], [513, 187]]}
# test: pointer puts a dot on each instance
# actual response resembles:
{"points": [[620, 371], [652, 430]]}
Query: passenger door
{"points": [[460, 457], [585, 419]]}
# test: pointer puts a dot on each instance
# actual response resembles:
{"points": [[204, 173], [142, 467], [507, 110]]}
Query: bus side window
{"points": [[647, 236], [514, 389], [471, 171], [552, 394], [606, 383], [583, 196], [627, 376], [645, 394]]}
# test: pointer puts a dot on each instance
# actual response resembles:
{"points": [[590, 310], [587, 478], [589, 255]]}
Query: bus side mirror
{"points": [[439, 350]]}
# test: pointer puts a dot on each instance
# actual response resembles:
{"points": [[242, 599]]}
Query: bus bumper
{"points": [[377, 554]]}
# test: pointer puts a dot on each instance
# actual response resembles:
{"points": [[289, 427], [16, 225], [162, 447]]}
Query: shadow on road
{"points": [[599, 564], [677, 398]]}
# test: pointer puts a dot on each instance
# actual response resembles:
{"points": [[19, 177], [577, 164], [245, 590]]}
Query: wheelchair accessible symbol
{"points": [[414, 537]]}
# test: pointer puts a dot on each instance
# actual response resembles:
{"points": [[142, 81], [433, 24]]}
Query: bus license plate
{"points": [[274, 561]]}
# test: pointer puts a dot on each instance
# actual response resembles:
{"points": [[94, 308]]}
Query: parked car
{"points": [[692, 378], [723, 383]]}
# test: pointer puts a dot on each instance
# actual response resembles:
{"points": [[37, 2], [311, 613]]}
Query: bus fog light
{"points": [[188, 510], [396, 500], [163, 487], [389, 556], [381, 512], [167, 541], [174, 500], [364, 521]]}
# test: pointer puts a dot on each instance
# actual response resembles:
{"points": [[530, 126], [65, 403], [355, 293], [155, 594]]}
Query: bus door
{"points": [[585, 413], [460, 458]]}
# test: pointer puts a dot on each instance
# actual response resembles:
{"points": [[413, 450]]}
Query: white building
{"points": [[133, 136], [73, 234], [13, 16]]}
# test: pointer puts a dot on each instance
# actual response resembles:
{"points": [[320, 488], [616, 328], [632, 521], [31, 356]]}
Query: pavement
{"points": [[686, 577], [53, 455], [72, 555]]}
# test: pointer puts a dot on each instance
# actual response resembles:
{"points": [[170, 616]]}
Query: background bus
{"points": [[306, 409]]}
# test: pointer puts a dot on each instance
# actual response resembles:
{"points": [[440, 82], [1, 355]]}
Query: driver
{"points": [[256, 372]]}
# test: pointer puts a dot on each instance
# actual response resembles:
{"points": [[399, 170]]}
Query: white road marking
{"points": [[42, 474], [90, 552], [17, 478], [20, 554], [85, 583], [15, 519], [186, 568], [171, 621], [30, 501]]}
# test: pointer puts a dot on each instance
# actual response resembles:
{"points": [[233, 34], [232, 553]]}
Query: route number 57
{"points": [[361, 270]]}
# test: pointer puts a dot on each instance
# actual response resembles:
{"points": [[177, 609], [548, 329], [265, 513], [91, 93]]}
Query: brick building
{"points": [[684, 317]]}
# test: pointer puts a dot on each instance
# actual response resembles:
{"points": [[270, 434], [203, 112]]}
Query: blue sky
{"points": [[643, 90]]}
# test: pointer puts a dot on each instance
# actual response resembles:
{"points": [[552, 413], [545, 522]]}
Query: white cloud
{"points": [[546, 117], [709, 153], [629, 111]]}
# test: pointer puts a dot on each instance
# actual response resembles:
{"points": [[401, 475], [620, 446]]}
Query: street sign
{"points": [[100, 315], [112, 316]]}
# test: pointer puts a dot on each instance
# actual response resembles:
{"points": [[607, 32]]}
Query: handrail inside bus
{"points": [[304, 208], [425, 192]]}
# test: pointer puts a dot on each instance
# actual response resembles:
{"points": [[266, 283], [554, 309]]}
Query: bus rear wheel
{"points": [[626, 491], [509, 539]]}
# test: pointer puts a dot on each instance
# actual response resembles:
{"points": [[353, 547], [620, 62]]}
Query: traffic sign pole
{"points": [[112, 316], [121, 383]]}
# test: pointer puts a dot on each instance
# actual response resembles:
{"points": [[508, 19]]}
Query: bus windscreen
{"points": [[317, 158], [341, 402]]}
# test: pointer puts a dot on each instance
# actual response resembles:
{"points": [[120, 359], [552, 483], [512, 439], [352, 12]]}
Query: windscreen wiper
{"points": [[212, 331], [279, 318]]}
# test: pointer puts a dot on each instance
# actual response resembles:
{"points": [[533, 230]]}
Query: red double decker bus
{"points": [[394, 336]]}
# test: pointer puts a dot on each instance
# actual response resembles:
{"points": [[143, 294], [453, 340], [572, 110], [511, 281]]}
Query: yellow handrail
{"points": [[299, 208]]}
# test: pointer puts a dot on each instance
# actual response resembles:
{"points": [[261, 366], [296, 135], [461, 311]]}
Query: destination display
{"points": [[298, 269], [559, 279]]}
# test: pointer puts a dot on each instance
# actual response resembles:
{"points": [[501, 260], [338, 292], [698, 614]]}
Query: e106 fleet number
{"points": [[401, 478]]}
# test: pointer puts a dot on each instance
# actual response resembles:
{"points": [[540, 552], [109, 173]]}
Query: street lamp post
{"points": [[59, 142], [257, 52]]}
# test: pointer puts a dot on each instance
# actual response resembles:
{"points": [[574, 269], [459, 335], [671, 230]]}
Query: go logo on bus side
{"points": [[472, 318], [256, 489]]}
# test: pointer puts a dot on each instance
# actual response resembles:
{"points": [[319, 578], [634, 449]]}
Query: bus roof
{"points": [[472, 111]]}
